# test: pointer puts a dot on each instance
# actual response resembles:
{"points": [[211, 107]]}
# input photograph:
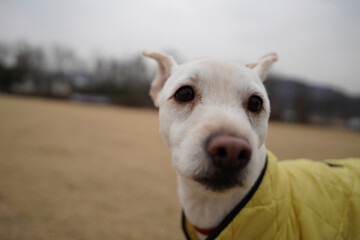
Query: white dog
{"points": [[214, 119]]}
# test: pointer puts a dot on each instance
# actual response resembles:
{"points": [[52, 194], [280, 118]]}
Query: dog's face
{"points": [[213, 117]]}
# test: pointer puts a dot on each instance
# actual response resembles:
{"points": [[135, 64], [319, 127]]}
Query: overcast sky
{"points": [[318, 40]]}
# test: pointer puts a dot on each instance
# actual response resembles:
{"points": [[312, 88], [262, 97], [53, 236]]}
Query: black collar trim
{"points": [[224, 223]]}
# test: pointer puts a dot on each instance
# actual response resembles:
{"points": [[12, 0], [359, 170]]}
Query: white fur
{"points": [[222, 90]]}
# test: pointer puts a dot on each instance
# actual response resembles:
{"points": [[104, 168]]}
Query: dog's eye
{"points": [[184, 94], [255, 104]]}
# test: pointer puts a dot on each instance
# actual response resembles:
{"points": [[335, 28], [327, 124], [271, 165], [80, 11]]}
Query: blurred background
{"points": [[80, 156]]}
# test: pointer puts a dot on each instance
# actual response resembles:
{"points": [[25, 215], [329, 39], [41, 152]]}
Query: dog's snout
{"points": [[229, 151]]}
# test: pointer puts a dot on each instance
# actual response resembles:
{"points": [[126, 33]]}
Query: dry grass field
{"points": [[77, 171]]}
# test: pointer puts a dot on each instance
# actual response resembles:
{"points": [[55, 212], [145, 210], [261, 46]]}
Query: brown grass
{"points": [[74, 171]]}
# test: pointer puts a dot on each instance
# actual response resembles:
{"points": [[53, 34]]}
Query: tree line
{"points": [[58, 72]]}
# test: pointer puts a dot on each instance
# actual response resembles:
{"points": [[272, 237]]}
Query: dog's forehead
{"points": [[207, 73]]}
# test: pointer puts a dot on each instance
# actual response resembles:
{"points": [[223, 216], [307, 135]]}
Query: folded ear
{"points": [[165, 65], [263, 66]]}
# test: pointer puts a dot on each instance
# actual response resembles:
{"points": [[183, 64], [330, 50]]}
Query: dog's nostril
{"points": [[221, 152], [244, 155]]}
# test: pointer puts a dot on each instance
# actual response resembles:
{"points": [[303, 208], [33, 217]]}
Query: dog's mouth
{"points": [[220, 180]]}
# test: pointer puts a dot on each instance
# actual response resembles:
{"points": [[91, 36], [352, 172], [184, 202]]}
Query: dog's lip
{"points": [[217, 186], [219, 181]]}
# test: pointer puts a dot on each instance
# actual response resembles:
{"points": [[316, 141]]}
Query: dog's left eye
{"points": [[255, 104], [184, 94]]}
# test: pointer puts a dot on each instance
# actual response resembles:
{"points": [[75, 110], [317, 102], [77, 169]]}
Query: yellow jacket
{"points": [[297, 199]]}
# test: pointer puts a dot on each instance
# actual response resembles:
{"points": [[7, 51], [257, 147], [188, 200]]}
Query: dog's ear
{"points": [[165, 65], [263, 66]]}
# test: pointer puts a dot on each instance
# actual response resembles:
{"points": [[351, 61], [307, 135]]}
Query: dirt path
{"points": [[73, 171]]}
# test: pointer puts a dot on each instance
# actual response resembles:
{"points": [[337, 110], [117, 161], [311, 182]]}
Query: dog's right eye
{"points": [[184, 94], [255, 104]]}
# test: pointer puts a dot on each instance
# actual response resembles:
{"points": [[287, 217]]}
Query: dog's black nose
{"points": [[228, 151]]}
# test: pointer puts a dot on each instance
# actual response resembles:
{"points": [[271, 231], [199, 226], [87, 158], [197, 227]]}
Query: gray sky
{"points": [[318, 40]]}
